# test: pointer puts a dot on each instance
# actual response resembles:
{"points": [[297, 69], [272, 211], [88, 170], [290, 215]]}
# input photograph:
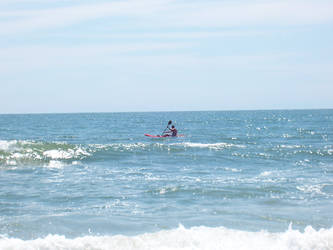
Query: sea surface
{"points": [[235, 180]]}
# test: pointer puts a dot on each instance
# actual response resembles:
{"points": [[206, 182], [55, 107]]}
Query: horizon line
{"points": [[164, 111]]}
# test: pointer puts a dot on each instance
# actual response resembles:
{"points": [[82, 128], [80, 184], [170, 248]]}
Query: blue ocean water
{"points": [[236, 180]]}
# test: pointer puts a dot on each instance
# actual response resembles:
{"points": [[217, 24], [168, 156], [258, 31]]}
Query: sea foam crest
{"points": [[65, 154], [214, 146], [16, 152], [186, 239]]}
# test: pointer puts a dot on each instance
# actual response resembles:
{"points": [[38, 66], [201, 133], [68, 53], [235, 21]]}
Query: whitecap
{"points": [[312, 189], [65, 154], [6, 145], [181, 238], [233, 169], [55, 164], [265, 173], [214, 146]]}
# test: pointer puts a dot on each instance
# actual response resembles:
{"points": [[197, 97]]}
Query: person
{"points": [[173, 131]]}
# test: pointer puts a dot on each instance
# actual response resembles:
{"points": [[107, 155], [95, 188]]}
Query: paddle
{"points": [[169, 123]]}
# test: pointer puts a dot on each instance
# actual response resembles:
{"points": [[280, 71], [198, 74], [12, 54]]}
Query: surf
{"points": [[182, 238]]}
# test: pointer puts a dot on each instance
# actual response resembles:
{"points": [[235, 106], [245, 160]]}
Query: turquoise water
{"points": [[94, 181]]}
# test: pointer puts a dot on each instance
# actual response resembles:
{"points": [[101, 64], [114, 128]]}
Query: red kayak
{"points": [[162, 136]]}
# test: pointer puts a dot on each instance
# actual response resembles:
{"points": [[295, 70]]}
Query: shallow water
{"points": [[64, 176]]}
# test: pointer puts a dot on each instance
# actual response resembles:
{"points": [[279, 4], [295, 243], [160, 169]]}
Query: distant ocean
{"points": [[236, 180]]}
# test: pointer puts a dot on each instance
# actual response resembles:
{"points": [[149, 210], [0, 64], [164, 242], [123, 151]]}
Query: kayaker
{"points": [[173, 131]]}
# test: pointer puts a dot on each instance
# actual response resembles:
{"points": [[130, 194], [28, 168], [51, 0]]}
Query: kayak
{"points": [[162, 136], [157, 136]]}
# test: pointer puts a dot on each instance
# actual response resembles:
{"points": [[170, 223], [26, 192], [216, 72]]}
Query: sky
{"points": [[64, 56]]}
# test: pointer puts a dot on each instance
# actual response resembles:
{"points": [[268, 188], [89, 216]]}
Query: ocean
{"points": [[235, 180]]}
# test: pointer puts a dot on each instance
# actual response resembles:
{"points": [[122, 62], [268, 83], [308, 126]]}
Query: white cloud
{"points": [[28, 58], [129, 56], [184, 35], [29, 20], [172, 14], [292, 12]]}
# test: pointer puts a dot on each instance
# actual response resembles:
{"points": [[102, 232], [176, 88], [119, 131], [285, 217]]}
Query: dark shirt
{"points": [[174, 131]]}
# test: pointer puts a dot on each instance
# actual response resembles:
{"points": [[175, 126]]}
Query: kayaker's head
{"points": [[172, 126]]}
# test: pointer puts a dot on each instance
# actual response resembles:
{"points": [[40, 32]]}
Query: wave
{"points": [[22, 152], [182, 238], [15, 153], [57, 154], [215, 146]]}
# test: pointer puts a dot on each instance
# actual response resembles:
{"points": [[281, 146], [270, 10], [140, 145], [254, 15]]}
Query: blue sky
{"points": [[165, 55]]}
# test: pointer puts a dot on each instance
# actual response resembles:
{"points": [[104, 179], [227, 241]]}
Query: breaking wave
{"points": [[55, 154], [182, 238], [21, 152], [16, 153]]}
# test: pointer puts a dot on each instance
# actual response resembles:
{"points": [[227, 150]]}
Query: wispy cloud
{"points": [[29, 20], [168, 35], [138, 56], [171, 14], [26, 58]]}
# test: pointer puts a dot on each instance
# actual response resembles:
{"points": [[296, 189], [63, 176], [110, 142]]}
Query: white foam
{"points": [[11, 162], [233, 169], [65, 154], [55, 164], [134, 146], [185, 239], [121, 147], [215, 146], [312, 189], [265, 173], [168, 189], [6, 145], [21, 152], [289, 146], [59, 154]]}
